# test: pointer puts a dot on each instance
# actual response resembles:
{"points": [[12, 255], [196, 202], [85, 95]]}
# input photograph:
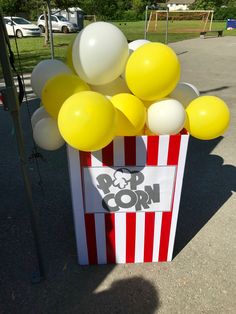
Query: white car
{"points": [[20, 27], [59, 24]]}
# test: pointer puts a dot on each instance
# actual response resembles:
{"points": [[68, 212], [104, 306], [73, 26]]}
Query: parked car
{"points": [[20, 27], [59, 24]]}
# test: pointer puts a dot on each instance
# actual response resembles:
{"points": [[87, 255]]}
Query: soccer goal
{"points": [[190, 21]]}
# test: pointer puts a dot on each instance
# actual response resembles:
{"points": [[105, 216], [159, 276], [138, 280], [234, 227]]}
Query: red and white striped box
{"points": [[126, 199]]}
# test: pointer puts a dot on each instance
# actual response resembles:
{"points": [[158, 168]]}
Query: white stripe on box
{"points": [[96, 158], [141, 150], [178, 188], [141, 159], [157, 236], [120, 237], [163, 149], [119, 151], [100, 238], [139, 237], [78, 205]]}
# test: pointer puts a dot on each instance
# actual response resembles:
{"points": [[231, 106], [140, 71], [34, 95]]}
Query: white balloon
{"points": [[99, 53], [166, 116], [45, 70], [46, 134], [133, 45], [185, 93], [115, 87], [38, 114]]}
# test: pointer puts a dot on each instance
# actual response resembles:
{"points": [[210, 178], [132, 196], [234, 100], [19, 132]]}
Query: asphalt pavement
{"points": [[200, 279]]}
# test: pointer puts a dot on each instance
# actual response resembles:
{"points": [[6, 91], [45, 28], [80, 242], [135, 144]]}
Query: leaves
{"points": [[213, 4]]}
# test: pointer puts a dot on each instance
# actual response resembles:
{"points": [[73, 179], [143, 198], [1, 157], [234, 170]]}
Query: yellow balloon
{"points": [[130, 114], [58, 89], [110, 89], [87, 121], [207, 117], [152, 71], [141, 132]]}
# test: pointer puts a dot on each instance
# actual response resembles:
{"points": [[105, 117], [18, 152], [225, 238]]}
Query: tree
{"points": [[138, 6], [213, 4], [10, 7], [101, 8], [46, 36], [104, 9], [65, 4], [230, 3]]}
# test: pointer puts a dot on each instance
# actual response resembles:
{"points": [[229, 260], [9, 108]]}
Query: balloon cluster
{"points": [[111, 88]]}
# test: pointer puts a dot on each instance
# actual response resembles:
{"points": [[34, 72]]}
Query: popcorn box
{"points": [[126, 199]]}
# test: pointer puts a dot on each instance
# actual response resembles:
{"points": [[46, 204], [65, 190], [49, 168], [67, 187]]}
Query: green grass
{"points": [[32, 50], [177, 30]]}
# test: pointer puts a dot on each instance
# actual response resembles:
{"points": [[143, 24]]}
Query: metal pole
{"points": [[11, 100], [50, 28], [145, 24], [167, 19], [212, 13]]}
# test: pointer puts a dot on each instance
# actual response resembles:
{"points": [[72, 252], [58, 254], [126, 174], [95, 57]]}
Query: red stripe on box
{"points": [[149, 236], [173, 153], [152, 159], [152, 150], [108, 155], [91, 238], [173, 157], [110, 238], [165, 235], [130, 160], [85, 159], [130, 237], [130, 150]]}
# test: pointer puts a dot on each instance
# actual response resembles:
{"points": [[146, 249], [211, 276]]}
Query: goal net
{"points": [[180, 21]]}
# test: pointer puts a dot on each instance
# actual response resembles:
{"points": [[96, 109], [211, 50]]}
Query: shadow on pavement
{"points": [[134, 295], [68, 288], [207, 185], [74, 292]]}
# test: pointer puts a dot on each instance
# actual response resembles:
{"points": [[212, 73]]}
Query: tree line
{"points": [[212, 4], [103, 9]]}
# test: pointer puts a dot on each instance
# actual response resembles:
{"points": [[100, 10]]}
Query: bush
{"points": [[130, 15], [225, 13]]}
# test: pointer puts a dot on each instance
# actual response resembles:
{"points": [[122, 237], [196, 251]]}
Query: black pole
{"points": [[10, 98]]}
